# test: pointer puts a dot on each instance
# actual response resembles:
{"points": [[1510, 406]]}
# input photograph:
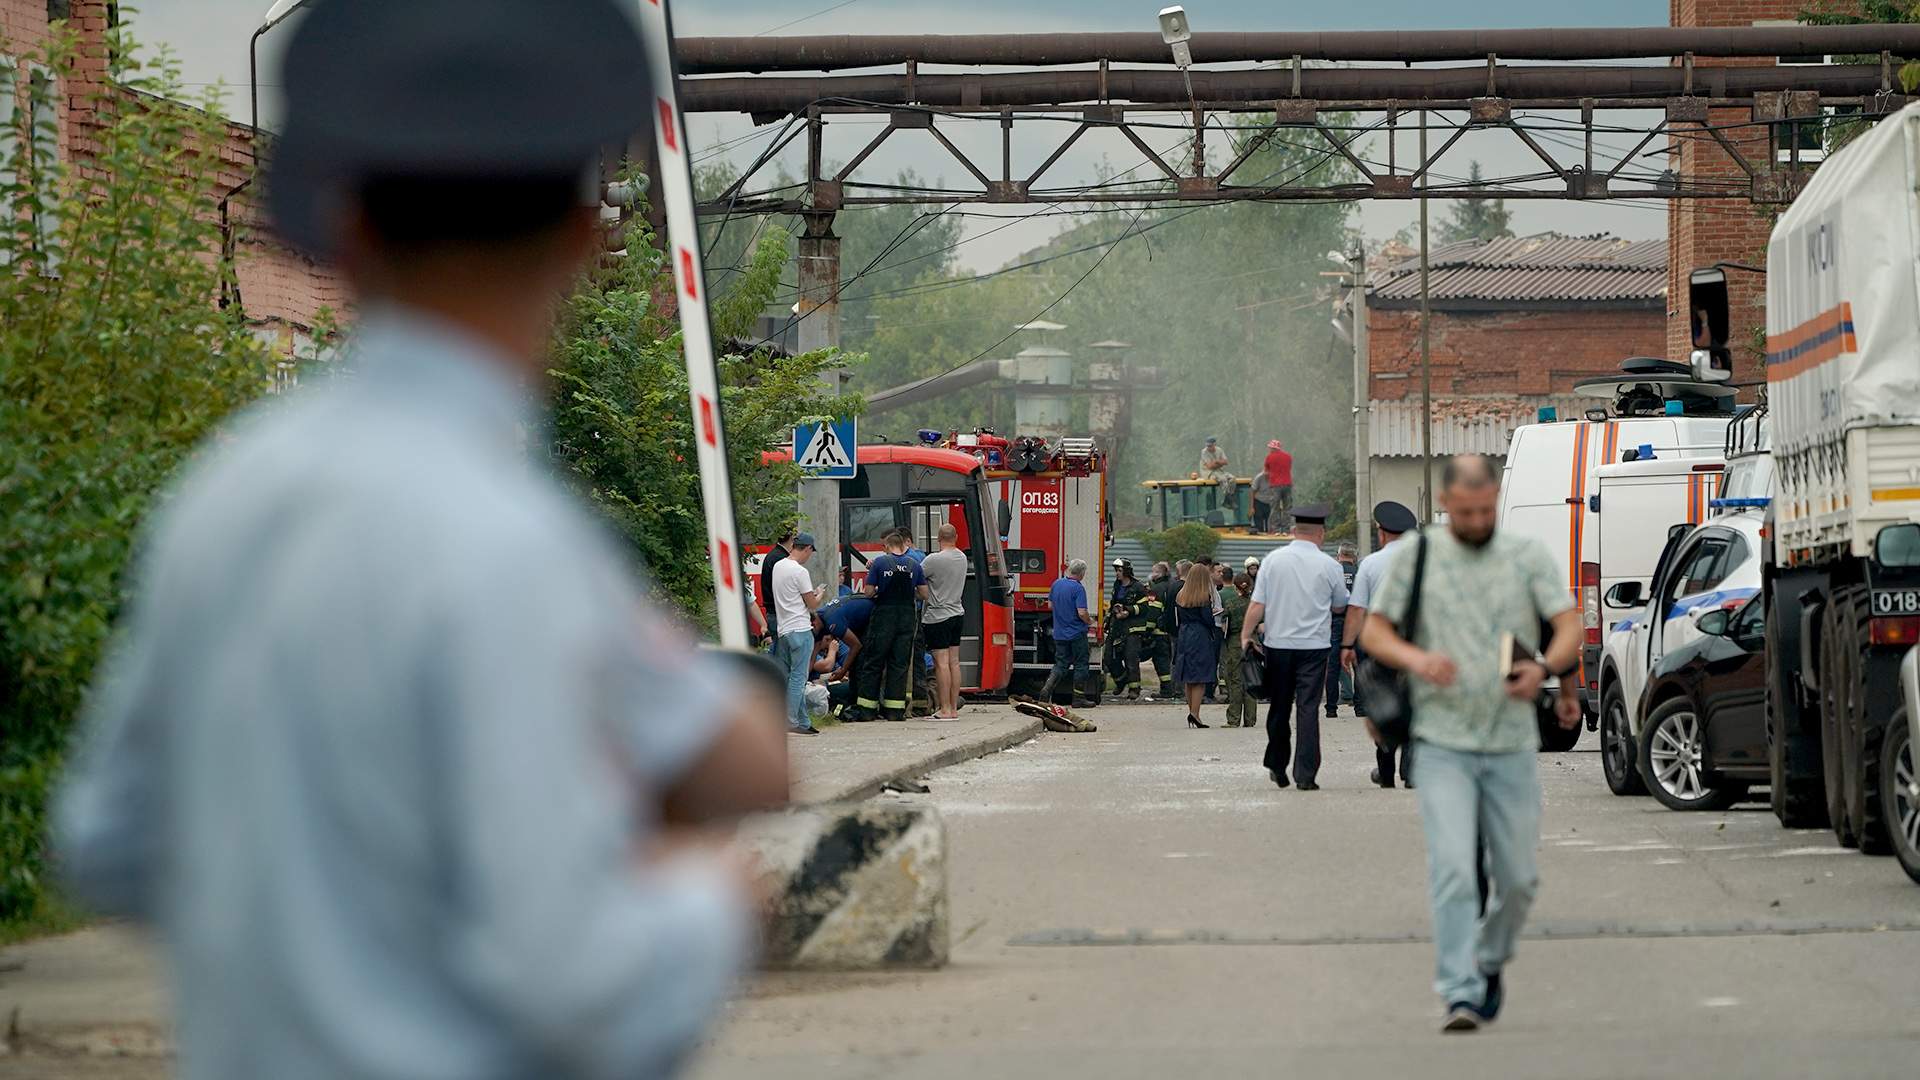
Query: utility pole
{"points": [[1426, 345], [1362, 411], [819, 328]]}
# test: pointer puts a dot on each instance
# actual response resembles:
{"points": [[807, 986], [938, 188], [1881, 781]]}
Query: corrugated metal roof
{"points": [[1462, 425], [1547, 266]]}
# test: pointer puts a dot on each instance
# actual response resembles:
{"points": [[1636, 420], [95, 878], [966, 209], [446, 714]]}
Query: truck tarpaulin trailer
{"points": [[1843, 561]]}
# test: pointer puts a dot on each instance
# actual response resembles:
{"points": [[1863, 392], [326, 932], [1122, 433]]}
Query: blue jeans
{"points": [[795, 653], [1071, 658], [1468, 798]]}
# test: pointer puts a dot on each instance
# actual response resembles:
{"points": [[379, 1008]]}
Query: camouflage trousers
{"points": [[1242, 710]]}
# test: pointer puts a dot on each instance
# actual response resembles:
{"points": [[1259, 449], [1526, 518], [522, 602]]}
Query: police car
{"points": [[1712, 565]]}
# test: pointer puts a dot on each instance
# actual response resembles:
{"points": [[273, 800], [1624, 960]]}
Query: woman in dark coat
{"points": [[1196, 662]]}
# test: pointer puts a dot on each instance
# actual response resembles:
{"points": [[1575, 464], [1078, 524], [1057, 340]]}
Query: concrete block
{"points": [[855, 886]]}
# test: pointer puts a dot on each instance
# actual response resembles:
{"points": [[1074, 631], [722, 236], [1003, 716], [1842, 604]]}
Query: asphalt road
{"points": [[1142, 902]]}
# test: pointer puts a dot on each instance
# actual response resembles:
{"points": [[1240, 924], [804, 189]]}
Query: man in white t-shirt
{"points": [[946, 574], [793, 601]]}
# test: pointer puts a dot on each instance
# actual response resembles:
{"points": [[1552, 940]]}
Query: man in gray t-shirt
{"points": [[946, 574], [1483, 590]]}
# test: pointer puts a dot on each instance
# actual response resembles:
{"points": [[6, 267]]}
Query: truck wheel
{"points": [[1672, 755], [1900, 795], [1799, 804], [1861, 740], [1618, 758], [1832, 719]]}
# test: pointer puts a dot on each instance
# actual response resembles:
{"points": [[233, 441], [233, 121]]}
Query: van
{"points": [[1546, 487], [1636, 506]]}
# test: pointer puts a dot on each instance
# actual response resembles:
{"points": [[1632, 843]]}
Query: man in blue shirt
{"points": [[1068, 598], [894, 583]]}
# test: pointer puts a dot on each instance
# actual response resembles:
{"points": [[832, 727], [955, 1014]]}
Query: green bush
{"points": [[114, 364], [1190, 540]]}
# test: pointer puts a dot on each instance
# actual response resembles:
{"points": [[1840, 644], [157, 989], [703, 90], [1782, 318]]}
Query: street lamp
{"points": [[277, 14], [1178, 36]]}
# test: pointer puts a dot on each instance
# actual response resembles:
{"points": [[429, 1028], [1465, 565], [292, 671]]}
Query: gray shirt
{"points": [[1300, 586], [1471, 596], [946, 574], [380, 742]]}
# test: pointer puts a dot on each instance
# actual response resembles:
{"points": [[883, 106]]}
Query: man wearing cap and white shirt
{"points": [[794, 600], [394, 751], [1296, 594], [1394, 521]]}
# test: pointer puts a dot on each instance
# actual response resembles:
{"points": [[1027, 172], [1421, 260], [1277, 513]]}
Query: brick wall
{"points": [[1507, 352], [1703, 232], [281, 291]]}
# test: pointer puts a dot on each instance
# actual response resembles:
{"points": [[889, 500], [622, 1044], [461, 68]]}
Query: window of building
{"points": [[9, 145], [43, 134]]}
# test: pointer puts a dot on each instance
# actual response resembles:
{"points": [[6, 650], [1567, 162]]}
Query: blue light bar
{"points": [[1548, 414], [1645, 452], [1748, 503], [1675, 408]]}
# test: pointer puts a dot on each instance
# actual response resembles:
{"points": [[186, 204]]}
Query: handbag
{"points": [[1253, 672], [1388, 691]]}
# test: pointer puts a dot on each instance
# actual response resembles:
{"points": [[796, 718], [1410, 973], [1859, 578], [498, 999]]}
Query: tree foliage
{"points": [[1475, 219], [114, 363], [1854, 12], [623, 430]]}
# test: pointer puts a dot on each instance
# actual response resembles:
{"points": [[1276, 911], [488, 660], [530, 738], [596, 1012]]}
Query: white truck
{"points": [[1842, 563]]}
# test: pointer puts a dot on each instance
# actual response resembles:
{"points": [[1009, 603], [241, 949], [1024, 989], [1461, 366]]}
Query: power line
{"points": [[804, 18]]}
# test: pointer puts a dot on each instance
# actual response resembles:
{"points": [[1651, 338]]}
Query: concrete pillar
{"points": [[819, 328]]}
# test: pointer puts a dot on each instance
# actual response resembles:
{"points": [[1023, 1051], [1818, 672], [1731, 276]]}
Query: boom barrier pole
{"points": [[675, 188]]}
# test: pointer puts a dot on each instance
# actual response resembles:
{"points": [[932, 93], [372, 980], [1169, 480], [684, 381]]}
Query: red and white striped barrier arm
{"points": [[674, 185]]}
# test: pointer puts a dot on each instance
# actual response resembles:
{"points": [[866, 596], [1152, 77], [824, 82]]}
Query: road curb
{"points": [[951, 755]]}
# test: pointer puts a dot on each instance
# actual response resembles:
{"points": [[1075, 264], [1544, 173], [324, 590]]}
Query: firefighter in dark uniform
{"points": [[1122, 645], [894, 582], [1164, 587]]}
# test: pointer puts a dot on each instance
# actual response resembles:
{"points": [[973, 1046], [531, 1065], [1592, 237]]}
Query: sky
{"points": [[210, 39]]}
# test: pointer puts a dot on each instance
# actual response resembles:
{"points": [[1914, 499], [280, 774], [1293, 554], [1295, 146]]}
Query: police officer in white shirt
{"points": [[1297, 592], [1394, 521]]}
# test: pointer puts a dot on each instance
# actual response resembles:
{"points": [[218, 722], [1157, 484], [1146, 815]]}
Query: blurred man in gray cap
{"points": [[1393, 522], [1295, 596], [393, 749]]}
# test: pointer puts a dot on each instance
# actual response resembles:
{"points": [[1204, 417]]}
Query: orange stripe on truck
{"points": [[1812, 343]]}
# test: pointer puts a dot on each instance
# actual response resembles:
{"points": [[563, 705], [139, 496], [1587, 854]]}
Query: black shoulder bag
{"points": [[1389, 691]]}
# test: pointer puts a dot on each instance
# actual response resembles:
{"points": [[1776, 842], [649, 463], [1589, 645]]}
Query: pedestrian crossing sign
{"points": [[827, 451]]}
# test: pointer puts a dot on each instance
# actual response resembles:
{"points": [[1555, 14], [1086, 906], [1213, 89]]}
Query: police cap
{"points": [[1316, 514], [1393, 517], [448, 89]]}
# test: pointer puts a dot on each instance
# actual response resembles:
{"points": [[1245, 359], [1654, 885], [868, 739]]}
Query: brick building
{"points": [[280, 291], [1515, 324], [1703, 232]]}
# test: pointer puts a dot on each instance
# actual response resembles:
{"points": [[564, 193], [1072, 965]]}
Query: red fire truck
{"points": [[1052, 508], [922, 488]]}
